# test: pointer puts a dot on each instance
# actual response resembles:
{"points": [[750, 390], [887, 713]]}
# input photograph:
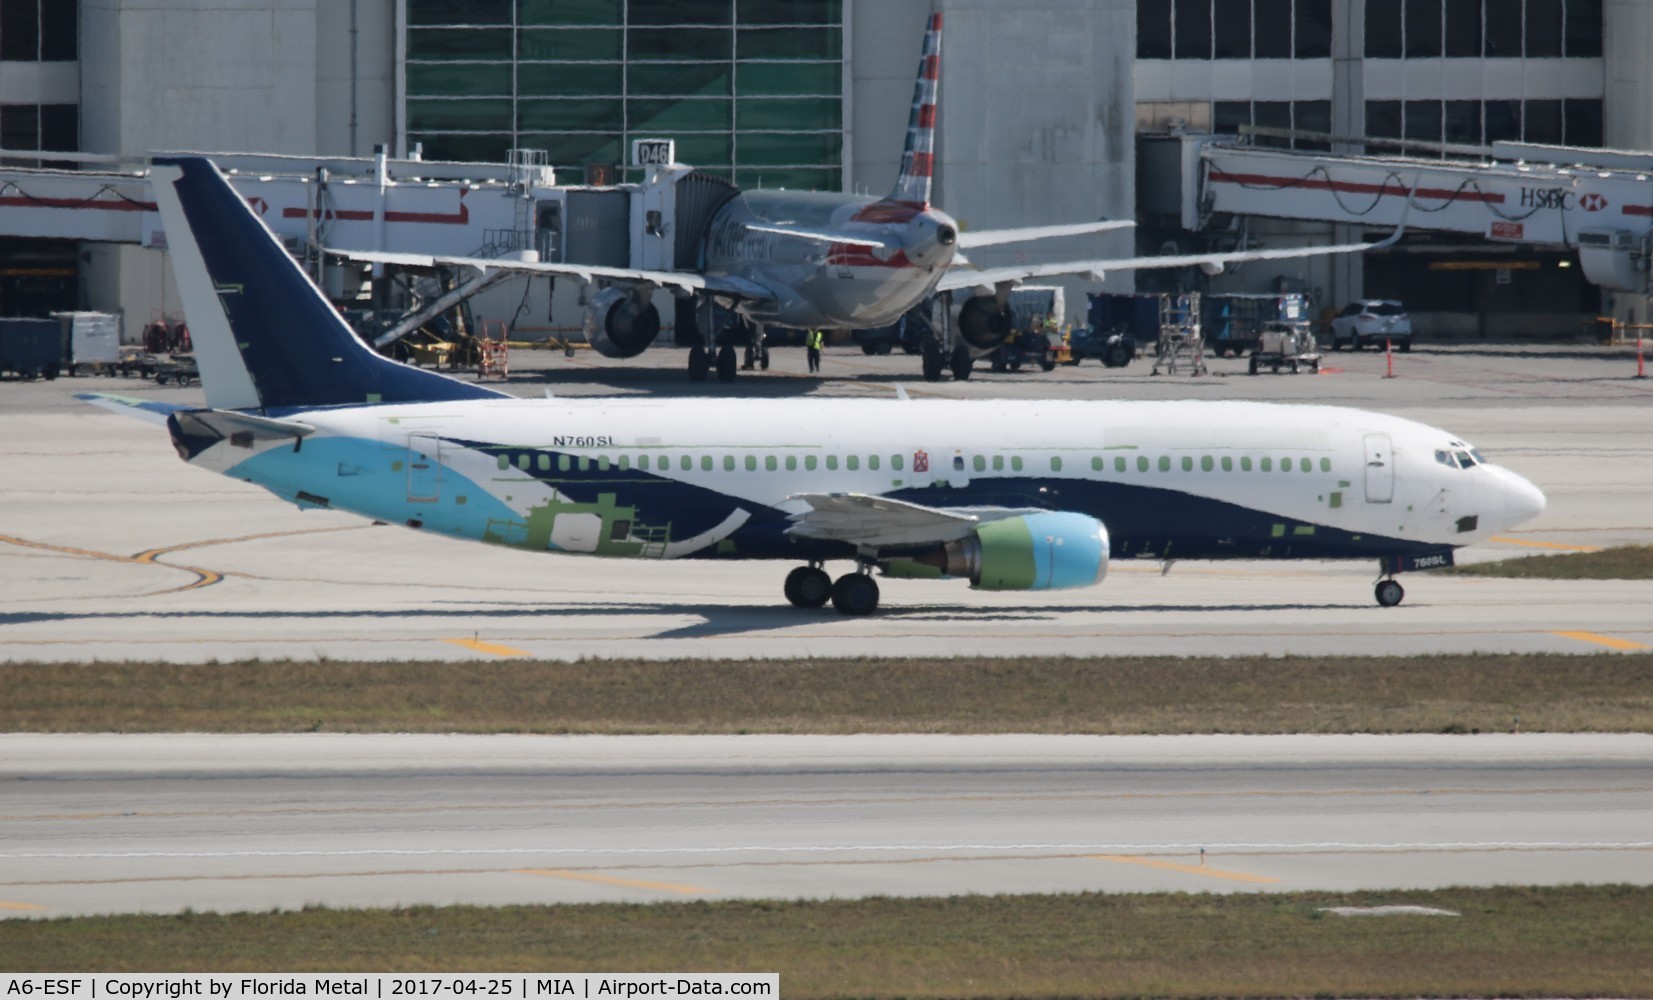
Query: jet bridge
{"points": [[1596, 201]]}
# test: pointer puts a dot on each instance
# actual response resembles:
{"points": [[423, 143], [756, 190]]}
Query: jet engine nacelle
{"points": [[620, 322], [1052, 550], [983, 322]]}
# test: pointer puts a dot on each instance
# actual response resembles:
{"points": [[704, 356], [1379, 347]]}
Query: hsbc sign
{"points": [[1562, 199]]}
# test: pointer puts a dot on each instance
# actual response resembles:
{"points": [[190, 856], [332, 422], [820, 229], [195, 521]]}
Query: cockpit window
{"points": [[1447, 459], [1479, 458], [1466, 459]]}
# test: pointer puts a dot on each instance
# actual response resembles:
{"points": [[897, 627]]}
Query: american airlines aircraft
{"points": [[1006, 495], [837, 261]]}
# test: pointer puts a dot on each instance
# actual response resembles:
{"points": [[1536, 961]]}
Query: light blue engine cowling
{"points": [[1044, 551]]}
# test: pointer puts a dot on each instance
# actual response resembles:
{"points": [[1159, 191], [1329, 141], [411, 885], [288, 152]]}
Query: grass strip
{"points": [[1507, 942], [1623, 562], [1115, 695]]}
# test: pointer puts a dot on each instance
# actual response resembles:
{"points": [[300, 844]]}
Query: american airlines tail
{"points": [[912, 186], [265, 337]]}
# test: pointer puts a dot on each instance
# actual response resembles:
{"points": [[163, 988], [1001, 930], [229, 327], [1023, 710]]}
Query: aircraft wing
{"points": [[820, 235], [587, 273], [877, 522], [1213, 263], [972, 238]]}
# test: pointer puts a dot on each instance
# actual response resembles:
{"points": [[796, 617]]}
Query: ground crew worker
{"points": [[812, 343]]}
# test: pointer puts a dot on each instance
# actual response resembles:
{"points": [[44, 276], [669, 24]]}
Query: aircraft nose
{"points": [[1522, 500]]}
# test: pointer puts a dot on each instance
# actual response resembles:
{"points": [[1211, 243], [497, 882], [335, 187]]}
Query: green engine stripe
{"points": [[1006, 555]]}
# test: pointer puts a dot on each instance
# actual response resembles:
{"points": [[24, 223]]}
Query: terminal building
{"points": [[1049, 111]]}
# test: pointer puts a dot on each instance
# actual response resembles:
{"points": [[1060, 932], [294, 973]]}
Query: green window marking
{"points": [[1267, 465], [1016, 463], [706, 463], [523, 461], [872, 462], [979, 463], [1142, 463], [791, 463], [543, 462], [396, 467], [1165, 463], [998, 463], [1336, 500], [832, 463], [1096, 464], [1206, 464], [1325, 465], [1307, 465], [896, 462], [1245, 464], [585, 463], [852, 462], [504, 462], [728, 463], [1278, 531], [1228, 463], [602, 463], [686, 464], [769, 463], [625, 463], [1119, 464], [751, 463], [1055, 464], [809, 462], [1303, 529], [1188, 463]]}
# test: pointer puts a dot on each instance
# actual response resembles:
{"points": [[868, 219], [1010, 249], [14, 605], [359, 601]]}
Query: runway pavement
{"points": [[111, 548], [93, 824]]}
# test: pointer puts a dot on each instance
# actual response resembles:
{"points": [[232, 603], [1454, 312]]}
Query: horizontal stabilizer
{"points": [[225, 423], [970, 239], [144, 409]]}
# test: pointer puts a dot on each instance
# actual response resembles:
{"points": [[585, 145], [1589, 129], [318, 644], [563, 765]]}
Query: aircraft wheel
{"points": [[869, 349], [932, 361], [884, 346], [1048, 362], [763, 358], [726, 363], [699, 364], [1389, 593], [962, 363], [855, 594], [808, 587]]}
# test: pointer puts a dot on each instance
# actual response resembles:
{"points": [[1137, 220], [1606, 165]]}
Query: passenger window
{"points": [[544, 462], [1325, 465], [602, 463], [1285, 465], [852, 462], [1016, 463], [1305, 464], [1119, 463], [585, 464], [1206, 465], [832, 462], [791, 463], [1142, 463], [504, 462], [809, 462], [1096, 463], [769, 463], [728, 463], [706, 463], [686, 464], [1245, 463], [958, 463], [1055, 464], [564, 463], [896, 462], [1228, 463], [872, 461], [523, 460], [1267, 465], [1165, 463], [981, 463], [1188, 463], [625, 463], [751, 463]]}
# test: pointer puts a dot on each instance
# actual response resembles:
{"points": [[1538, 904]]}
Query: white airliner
{"points": [[837, 261], [1007, 495]]}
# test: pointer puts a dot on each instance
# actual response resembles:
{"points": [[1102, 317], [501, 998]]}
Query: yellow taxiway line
{"points": [[1601, 640], [630, 883], [1545, 545], [491, 648], [1131, 859], [8, 905]]}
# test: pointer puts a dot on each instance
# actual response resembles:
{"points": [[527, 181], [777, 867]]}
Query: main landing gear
{"points": [[1389, 593], [852, 594]]}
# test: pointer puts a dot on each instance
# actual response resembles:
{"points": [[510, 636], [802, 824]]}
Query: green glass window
{"points": [[564, 463], [788, 43], [625, 463], [570, 12], [544, 462], [1245, 464], [784, 150], [679, 44], [669, 116], [1206, 465], [1187, 463], [567, 116], [896, 462], [794, 178], [791, 463], [789, 114], [1325, 465], [553, 80], [423, 12], [1055, 465], [1096, 463], [703, 150], [751, 463], [872, 461], [1228, 463], [788, 78], [706, 463], [448, 44], [769, 463], [1119, 463], [1267, 465], [980, 463], [1305, 464], [832, 462], [459, 80], [1285, 465], [471, 115], [573, 45], [1016, 463], [1165, 463], [682, 11], [852, 462], [463, 148], [602, 463], [686, 463], [585, 464], [523, 460], [572, 149], [791, 11], [728, 463], [998, 463], [809, 462], [679, 79], [1142, 463]]}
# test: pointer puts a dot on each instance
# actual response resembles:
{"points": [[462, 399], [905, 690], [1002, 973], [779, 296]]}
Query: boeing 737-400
{"points": [[1007, 495], [836, 261]]}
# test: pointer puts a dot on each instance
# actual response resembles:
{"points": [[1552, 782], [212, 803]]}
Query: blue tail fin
{"points": [[265, 337]]}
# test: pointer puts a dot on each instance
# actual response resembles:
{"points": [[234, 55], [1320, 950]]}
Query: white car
{"points": [[1372, 321]]}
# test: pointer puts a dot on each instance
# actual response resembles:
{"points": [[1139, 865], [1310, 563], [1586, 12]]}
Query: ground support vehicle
{"points": [[1233, 322], [94, 341], [1027, 347], [1379, 322], [32, 348], [1285, 345], [177, 368], [1114, 350]]}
